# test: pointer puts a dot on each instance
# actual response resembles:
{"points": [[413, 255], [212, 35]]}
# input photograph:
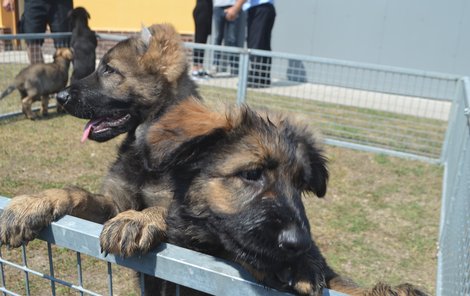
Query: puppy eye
{"points": [[108, 69], [251, 175]]}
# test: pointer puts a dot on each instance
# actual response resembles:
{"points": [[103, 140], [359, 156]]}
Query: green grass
{"points": [[12, 102], [395, 131]]}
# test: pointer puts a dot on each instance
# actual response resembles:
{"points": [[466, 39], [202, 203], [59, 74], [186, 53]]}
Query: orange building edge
{"points": [[118, 16]]}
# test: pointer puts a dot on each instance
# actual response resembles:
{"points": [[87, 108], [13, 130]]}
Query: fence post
{"points": [[459, 91], [242, 75]]}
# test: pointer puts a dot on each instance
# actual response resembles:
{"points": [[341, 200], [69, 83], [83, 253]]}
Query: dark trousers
{"points": [[228, 32], [260, 24], [202, 15], [38, 14]]}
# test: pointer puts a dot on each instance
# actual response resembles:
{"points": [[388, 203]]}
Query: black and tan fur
{"points": [[225, 183], [36, 82]]}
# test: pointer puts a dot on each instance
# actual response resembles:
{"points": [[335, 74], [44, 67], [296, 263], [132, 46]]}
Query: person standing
{"points": [[37, 15], [202, 15], [260, 22], [228, 32]]}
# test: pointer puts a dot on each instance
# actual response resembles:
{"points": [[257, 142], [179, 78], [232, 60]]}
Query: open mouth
{"points": [[103, 125]]}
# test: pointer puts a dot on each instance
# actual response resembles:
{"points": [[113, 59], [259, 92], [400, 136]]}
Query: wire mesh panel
{"points": [[387, 108], [366, 105], [454, 246]]}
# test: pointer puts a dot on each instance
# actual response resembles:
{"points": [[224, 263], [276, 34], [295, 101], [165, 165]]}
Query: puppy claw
{"points": [[130, 233]]}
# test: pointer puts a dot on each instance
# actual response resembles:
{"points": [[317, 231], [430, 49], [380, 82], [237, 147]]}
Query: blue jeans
{"points": [[226, 32]]}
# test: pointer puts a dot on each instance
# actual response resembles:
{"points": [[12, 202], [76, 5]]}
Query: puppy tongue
{"points": [[87, 129]]}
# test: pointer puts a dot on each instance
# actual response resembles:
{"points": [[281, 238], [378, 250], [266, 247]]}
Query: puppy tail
{"points": [[347, 286], [7, 91]]}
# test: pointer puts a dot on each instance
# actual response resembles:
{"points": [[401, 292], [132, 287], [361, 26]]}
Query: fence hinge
{"points": [[466, 111]]}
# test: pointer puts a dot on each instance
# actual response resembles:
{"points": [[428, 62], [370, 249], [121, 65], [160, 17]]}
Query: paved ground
{"points": [[348, 97]]}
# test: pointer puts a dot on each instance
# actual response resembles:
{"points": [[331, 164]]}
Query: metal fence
{"points": [[399, 112], [454, 243]]}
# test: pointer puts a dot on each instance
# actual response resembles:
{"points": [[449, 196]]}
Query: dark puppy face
{"points": [[238, 179], [79, 14], [135, 78]]}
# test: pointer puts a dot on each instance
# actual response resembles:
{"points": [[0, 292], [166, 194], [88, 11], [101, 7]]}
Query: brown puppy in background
{"points": [[36, 82]]}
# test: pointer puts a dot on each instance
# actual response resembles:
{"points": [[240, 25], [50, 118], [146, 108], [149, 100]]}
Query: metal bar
{"points": [[35, 35], [111, 37], [459, 90], [8, 292], [177, 291], [25, 264], [243, 65], [142, 283], [47, 277], [366, 148], [110, 278], [2, 271], [51, 267], [79, 271], [17, 113]]}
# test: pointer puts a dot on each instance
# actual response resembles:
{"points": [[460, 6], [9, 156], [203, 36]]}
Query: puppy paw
{"points": [[303, 277], [23, 219], [132, 233]]}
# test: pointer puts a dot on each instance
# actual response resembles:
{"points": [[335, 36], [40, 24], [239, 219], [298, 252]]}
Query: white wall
{"points": [[431, 35]]}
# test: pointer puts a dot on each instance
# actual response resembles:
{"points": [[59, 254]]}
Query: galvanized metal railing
{"points": [[453, 275]]}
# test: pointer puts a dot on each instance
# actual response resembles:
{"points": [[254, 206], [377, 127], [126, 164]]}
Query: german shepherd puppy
{"points": [[36, 82], [234, 181], [83, 44]]}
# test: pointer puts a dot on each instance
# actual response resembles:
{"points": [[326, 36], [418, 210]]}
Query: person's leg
{"points": [[202, 15], [231, 39], [260, 24], [34, 21], [58, 20], [219, 30]]}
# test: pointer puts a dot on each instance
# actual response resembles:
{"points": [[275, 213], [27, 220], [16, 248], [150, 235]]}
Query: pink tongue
{"points": [[86, 132]]}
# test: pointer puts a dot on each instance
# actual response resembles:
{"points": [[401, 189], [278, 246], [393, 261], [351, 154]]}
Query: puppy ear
{"points": [[319, 172], [178, 136], [165, 54], [314, 162], [145, 35]]}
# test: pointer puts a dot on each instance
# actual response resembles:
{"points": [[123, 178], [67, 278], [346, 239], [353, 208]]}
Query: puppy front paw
{"points": [[23, 219], [304, 276], [132, 233]]}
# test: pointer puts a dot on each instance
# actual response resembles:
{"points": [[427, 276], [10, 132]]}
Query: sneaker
{"points": [[204, 74], [195, 75]]}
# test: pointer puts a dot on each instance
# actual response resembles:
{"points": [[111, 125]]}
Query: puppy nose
{"points": [[294, 240], [63, 96]]}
